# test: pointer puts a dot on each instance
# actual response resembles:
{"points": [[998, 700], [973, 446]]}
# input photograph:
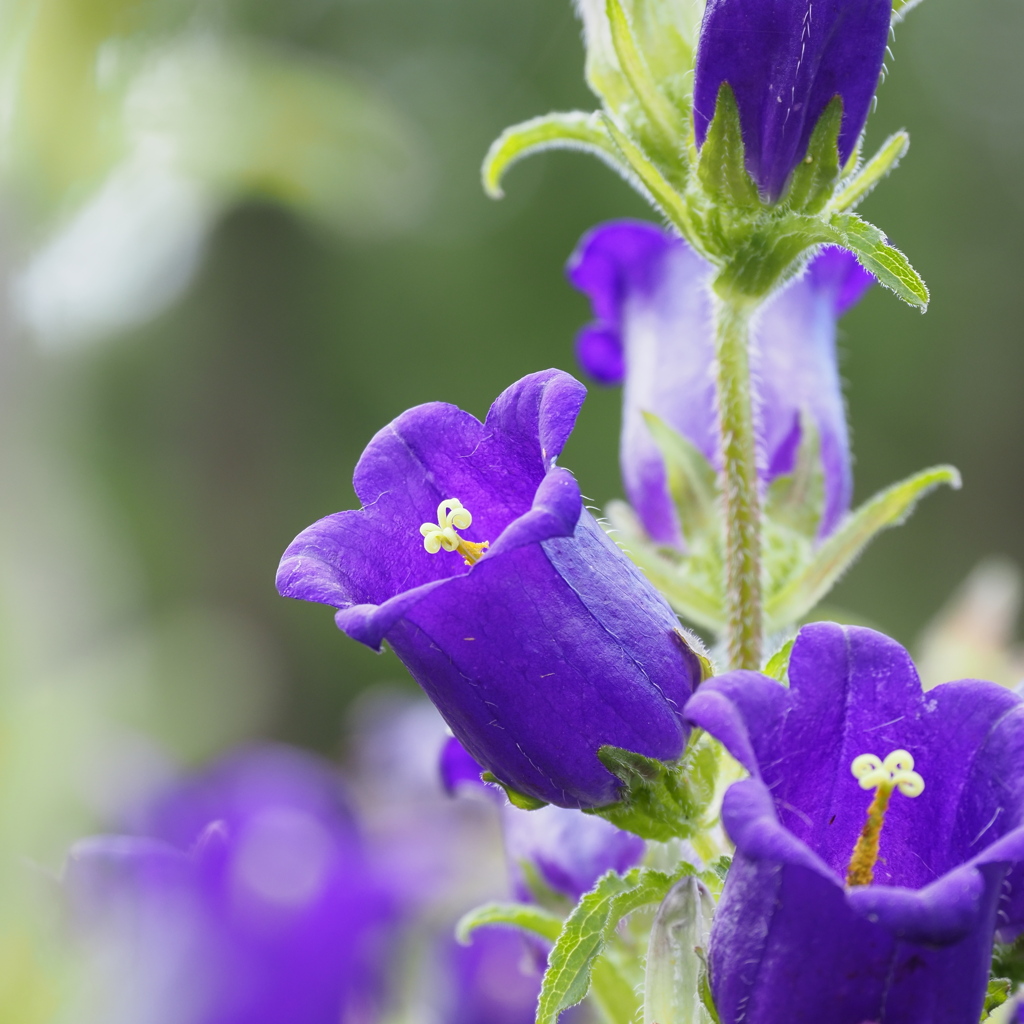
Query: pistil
{"points": [[452, 516], [895, 772]]}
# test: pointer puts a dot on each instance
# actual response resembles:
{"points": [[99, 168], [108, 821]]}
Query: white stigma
{"points": [[895, 772], [451, 516]]}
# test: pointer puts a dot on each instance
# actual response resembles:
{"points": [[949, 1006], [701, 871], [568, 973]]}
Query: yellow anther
{"points": [[452, 515], [895, 772]]}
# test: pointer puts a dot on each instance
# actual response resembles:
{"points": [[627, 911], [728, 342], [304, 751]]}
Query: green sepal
{"points": [[589, 927], [839, 550], [874, 253], [692, 480], [997, 992], [778, 664], [797, 499], [660, 800], [860, 184], [651, 183], [515, 798], [573, 130], [901, 8], [773, 249], [815, 178], [666, 129], [525, 916], [721, 170]]}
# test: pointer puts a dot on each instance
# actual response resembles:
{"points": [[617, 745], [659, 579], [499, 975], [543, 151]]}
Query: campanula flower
{"points": [[535, 637], [252, 899], [569, 851], [879, 839], [785, 61], [653, 333]]}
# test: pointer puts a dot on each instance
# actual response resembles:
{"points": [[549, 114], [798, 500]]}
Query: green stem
{"points": [[744, 611]]}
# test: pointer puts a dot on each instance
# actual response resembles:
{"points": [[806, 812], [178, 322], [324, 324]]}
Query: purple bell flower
{"points": [[785, 61], [569, 850], [252, 901], [791, 942], [537, 649], [653, 333]]}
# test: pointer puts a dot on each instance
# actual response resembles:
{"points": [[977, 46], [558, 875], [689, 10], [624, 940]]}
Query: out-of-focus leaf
{"points": [[839, 551]]}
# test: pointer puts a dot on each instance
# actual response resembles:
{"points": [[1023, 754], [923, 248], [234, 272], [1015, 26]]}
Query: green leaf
{"points": [[515, 798], [885, 160], [692, 480], [660, 800], [525, 916], [815, 177], [722, 170], [874, 253], [575, 130], [663, 117], [797, 499], [589, 927], [778, 663], [838, 551]]}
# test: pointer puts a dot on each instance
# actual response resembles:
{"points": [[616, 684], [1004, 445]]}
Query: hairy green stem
{"points": [[744, 609]]}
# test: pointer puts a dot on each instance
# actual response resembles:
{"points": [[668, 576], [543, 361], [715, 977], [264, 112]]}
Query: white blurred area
{"points": [[120, 260], [974, 636], [202, 123]]}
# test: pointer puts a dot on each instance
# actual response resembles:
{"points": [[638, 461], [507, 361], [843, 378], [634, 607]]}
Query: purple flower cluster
{"points": [[249, 898], [251, 895]]}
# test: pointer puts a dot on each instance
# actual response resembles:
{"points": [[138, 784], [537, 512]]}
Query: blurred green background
{"points": [[242, 236]]}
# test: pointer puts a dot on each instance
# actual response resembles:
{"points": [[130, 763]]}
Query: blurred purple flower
{"points": [[495, 981], [273, 914], [785, 61], [653, 332], [569, 850], [791, 943], [537, 650]]}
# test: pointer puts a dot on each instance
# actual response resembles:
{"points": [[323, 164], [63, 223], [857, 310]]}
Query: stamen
{"points": [[895, 772], [452, 515]]}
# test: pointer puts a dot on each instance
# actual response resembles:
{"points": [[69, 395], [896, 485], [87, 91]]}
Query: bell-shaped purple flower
{"points": [[569, 851], [653, 332], [785, 61], [538, 649], [253, 900], [791, 942]]}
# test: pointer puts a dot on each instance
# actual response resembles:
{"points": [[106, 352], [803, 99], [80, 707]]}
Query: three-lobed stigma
{"points": [[452, 516], [896, 771]]}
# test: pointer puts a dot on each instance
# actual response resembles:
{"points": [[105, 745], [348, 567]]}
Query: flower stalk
{"points": [[740, 494]]}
